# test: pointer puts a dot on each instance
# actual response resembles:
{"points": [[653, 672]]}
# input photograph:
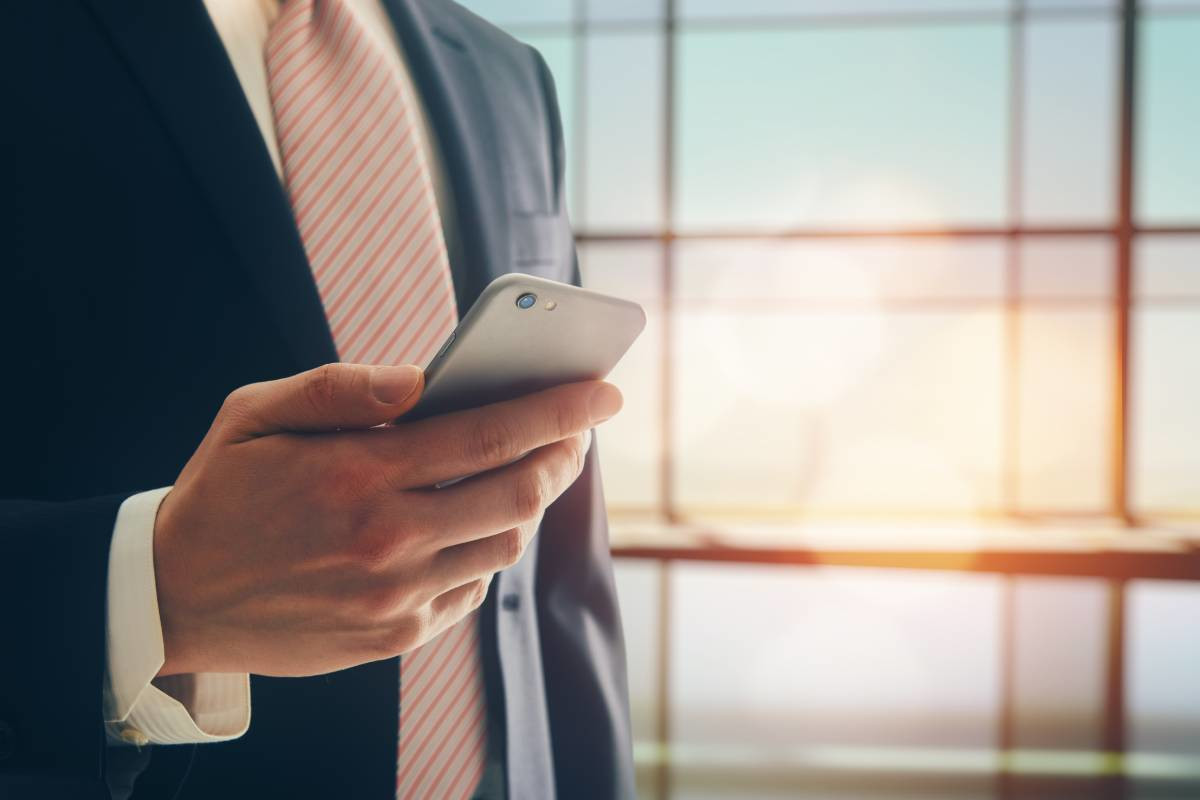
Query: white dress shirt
{"points": [[209, 707]]}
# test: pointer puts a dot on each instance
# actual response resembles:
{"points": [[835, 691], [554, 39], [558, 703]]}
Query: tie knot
{"points": [[313, 15]]}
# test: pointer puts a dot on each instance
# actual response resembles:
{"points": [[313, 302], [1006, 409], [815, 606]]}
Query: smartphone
{"points": [[524, 334]]}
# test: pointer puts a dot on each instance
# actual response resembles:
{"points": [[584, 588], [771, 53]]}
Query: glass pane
{"points": [[1067, 267], [770, 661], [1069, 142], [837, 411], [838, 127], [623, 168], [1065, 412], [526, 12], [559, 52], [1168, 161], [1163, 660], [839, 271], [622, 10], [637, 592], [783, 9], [632, 270], [629, 444], [1167, 268], [1061, 635], [1165, 403]]}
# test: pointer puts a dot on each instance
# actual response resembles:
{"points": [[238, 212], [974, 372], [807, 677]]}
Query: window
{"points": [[882, 247], [900, 261]]}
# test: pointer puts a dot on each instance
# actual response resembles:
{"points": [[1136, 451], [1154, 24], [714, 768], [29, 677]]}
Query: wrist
{"points": [[176, 660]]}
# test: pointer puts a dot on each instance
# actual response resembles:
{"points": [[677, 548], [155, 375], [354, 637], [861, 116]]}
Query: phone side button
{"points": [[445, 347]]}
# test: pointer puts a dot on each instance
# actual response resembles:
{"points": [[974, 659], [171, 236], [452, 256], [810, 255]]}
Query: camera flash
{"points": [[551, 305]]}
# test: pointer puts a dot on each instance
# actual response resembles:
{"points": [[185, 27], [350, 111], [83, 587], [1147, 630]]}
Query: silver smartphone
{"points": [[524, 334]]}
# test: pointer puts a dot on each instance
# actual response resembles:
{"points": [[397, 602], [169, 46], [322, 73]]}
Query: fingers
{"points": [[468, 442], [507, 497], [450, 607], [483, 525], [459, 564], [327, 398], [455, 604]]}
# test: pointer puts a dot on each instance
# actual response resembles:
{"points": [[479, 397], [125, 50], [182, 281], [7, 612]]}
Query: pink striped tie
{"points": [[363, 199]]}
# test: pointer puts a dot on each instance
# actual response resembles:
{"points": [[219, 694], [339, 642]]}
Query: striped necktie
{"points": [[357, 175]]}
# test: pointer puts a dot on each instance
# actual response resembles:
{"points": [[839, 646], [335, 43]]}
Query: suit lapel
{"points": [[447, 76], [176, 55]]}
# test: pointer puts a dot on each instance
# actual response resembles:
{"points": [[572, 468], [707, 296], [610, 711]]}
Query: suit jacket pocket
{"points": [[542, 244]]}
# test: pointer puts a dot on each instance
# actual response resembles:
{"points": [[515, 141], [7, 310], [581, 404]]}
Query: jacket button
{"points": [[8, 741], [510, 602]]}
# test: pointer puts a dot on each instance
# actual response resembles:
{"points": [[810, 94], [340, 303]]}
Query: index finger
{"points": [[462, 443]]}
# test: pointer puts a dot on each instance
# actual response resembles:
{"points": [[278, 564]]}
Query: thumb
{"points": [[327, 398]]}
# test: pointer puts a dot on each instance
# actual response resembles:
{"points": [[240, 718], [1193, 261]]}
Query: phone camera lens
{"points": [[526, 300]]}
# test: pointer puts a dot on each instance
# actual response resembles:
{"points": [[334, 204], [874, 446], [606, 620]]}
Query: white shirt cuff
{"points": [[179, 709]]}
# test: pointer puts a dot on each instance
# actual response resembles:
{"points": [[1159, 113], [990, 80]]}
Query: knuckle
{"points": [[510, 546], [479, 592], [321, 388], [419, 626], [567, 418], [529, 494], [237, 403], [373, 547], [578, 451], [378, 603], [491, 441], [402, 637], [392, 473]]}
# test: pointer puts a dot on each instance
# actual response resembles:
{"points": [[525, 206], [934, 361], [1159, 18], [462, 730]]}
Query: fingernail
{"points": [[394, 385], [587, 440], [604, 402]]}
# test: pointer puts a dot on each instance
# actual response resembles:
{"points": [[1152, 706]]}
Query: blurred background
{"points": [[906, 494]]}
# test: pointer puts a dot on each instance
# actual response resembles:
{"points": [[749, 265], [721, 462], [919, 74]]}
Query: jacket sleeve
{"points": [[579, 623], [53, 549], [53, 580]]}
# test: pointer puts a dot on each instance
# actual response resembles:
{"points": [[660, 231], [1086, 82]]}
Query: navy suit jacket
{"points": [[151, 265]]}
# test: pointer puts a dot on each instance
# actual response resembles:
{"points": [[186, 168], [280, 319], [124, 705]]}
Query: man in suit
{"points": [[206, 204]]}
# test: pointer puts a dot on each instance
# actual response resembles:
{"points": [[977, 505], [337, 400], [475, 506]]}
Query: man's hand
{"points": [[302, 538]]}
